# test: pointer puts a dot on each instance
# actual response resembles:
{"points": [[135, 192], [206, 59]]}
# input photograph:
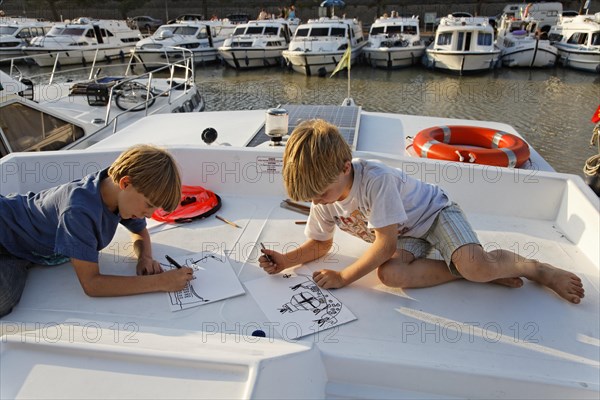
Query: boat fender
{"points": [[196, 203]]}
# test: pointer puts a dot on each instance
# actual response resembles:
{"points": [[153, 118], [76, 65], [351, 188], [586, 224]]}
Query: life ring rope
{"points": [[472, 144]]}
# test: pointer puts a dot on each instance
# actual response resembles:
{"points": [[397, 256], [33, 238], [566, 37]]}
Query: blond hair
{"points": [[153, 172], [315, 155]]}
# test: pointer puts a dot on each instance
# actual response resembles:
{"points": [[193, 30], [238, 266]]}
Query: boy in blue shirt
{"points": [[402, 218], [76, 220]]}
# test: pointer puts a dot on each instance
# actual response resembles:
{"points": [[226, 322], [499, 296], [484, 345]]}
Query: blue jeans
{"points": [[13, 274]]}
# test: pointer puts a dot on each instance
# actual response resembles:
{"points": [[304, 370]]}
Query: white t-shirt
{"points": [[380, 196]]}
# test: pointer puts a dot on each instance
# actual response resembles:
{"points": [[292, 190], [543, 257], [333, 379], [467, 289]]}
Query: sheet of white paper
{"points": [[296, 306], [213, 280]]}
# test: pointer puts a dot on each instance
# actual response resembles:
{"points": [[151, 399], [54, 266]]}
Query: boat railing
{"points": [[185, 65], [181, 69]]}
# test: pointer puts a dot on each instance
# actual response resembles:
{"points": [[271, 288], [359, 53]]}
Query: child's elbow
{"points": [[90, 289]]}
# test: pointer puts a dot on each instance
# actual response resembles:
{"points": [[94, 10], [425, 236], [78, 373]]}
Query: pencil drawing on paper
{"points": [[314, 299]]}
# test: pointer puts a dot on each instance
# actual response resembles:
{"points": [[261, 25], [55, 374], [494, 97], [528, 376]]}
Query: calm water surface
{"points": [[550, 108]]}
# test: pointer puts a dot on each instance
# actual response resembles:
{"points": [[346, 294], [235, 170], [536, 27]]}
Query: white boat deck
{"points": [[458, 340]]}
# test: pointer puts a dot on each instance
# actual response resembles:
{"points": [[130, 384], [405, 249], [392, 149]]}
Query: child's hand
{"points": [[271, 261], [148, 266], [328, 279], [176, 279]]}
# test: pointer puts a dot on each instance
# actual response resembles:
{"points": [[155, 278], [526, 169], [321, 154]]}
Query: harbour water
{"points": [[551, 108]]}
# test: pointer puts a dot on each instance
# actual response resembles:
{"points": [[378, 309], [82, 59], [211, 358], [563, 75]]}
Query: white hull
{"points": [[394, 57], [578, 59], [318, 63], [47, 56], [242, 58], [156, 58], [461, 62], [535, 53]]}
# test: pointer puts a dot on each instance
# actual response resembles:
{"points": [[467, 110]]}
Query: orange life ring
{"points": [[472, 144]]}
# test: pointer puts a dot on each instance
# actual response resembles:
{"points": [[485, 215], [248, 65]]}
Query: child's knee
{"points": [[391, 275]]}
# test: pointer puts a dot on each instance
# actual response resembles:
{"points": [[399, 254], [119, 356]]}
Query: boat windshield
{"points": [[595, 38], [177, 30], [302, 32], [7, 30], [319, 32], [376, 30], [239, 31], [254, 30]]}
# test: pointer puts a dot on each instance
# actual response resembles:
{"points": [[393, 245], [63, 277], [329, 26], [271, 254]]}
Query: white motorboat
{"points": [[81, 41], [18, 32], [54, 111], [578, 42], [202, 38], [256, 44], [463, 45], [394, 42], [319, 45], [457, 340], [522, 44]]}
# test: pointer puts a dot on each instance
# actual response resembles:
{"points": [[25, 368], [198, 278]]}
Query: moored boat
{"points": [[55, 110], [463, 45], [202, 38], [18, 32], [394, 42], [82, 41], [319, 45], [256, 44], [578, 42], [523, 44]]}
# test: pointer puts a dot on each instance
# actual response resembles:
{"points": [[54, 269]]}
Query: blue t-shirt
{"points": [[63, 222]]}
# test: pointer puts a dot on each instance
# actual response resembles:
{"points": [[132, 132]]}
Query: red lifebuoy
{"points": [[472, 144]]}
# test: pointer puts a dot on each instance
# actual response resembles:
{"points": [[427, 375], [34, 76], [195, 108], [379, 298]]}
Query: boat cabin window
{"points": [[202, 32], [7, 30], [338, 32], [484, 39], [319, 32], [444, 39], [254, 30], [460, 41], [90, 34], [394, 30], [409, 29], [302, 32], [239, 31], [578, 38], [106, 33], [77, 32], [55, 31], [27, 129], [376, 30], [595, 39], [271, 30]]}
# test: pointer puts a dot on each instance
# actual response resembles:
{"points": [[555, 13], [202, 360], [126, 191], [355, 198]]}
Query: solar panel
{"points": [[346, 118]]}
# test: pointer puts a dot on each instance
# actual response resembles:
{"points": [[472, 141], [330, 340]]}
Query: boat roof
{"points": [[472, 340], [396, 21], [450, 23]]}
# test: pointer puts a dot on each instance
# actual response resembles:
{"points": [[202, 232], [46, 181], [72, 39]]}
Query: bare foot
{"points": [[566, 284], [510, 282]]}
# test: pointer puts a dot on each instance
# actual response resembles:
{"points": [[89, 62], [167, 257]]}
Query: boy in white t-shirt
{"points": [[401, 216]]}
